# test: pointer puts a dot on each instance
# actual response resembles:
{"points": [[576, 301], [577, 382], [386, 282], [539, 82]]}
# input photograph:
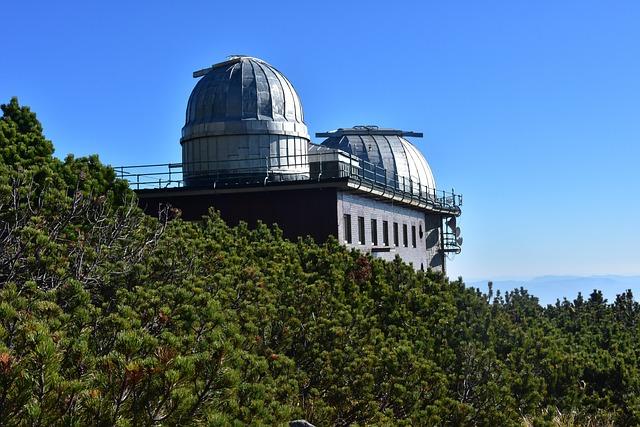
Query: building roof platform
{"points": [[327, 168]]}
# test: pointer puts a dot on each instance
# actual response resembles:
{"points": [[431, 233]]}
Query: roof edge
{"points": [[368, 130]]}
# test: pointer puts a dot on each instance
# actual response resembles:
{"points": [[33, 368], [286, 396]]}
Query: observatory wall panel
{"points": [[298, 212], [207, 158], [424, 254]]}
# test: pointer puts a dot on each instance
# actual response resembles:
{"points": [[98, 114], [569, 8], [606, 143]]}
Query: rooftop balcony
{"points": [[331, 167]]}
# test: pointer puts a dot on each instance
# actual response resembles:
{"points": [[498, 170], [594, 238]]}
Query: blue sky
{"points": [[530, 109]]}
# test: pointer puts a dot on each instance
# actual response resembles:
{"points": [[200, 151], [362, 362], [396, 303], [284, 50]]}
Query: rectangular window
{"points": [[361, 237], [374, 232], [413, 236], [347, 228], [396, 241], [385, 233], [405, 235]]}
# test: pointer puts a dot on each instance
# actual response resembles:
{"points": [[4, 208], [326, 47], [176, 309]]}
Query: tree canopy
{"points": [[111, 317]]}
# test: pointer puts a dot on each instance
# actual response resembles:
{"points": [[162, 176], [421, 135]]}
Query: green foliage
{"points": [[109, 317]]}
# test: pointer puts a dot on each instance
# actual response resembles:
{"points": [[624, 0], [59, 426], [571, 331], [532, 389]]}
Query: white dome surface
{"points": [[388, 149]]}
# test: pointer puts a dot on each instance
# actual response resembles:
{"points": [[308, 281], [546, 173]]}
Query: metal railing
{"points": [[311, 167], [451, 243]]}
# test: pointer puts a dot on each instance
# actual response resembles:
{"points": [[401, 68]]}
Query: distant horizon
{"points": [[549, 289], [543, 276]]}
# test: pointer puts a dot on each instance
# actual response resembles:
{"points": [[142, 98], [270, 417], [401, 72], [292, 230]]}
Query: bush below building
{"points": [[110, 317]]}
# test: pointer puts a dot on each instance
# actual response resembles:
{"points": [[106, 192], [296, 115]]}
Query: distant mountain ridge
{"points": [[550, 288]]}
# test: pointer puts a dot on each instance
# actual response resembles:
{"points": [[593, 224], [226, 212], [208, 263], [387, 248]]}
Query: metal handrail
{"points": [[307, 167], [450, 243]]}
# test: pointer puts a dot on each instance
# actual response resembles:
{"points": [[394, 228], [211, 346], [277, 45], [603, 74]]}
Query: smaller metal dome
{"points": [[387, 149], [243, 95]]}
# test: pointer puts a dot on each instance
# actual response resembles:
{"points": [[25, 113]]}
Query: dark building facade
{"points": [[247, 153]]}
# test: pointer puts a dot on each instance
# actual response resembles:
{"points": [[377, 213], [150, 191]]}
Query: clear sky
{"points": [[531, 109]]}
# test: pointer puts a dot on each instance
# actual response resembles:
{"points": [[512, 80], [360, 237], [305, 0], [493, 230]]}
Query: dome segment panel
{"points": [[420, 167], [369, 150], [263, 93], [235, 98], [276, 93], [289, 98], [387, 159], [399, 157], [249, 94], [219, 101], [358, 147]]}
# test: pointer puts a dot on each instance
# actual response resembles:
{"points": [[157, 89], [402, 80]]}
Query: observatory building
{"points": [[247, 152]]}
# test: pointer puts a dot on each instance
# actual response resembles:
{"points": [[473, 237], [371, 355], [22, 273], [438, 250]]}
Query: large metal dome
{"points": [[243, 95], [243, 118], [387, 149]]}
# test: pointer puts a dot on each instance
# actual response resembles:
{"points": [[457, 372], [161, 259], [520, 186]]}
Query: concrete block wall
{"points": [[427, 227]]}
